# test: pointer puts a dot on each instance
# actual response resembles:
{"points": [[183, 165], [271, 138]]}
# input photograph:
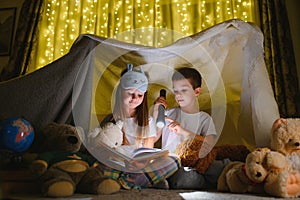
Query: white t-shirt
{"points": [[131, 126], [200, 123]]}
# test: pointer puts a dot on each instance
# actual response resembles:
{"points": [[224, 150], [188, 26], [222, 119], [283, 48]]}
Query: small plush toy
{"points": [[111, 134], [250, 176], [190, 149], [63, 169]]}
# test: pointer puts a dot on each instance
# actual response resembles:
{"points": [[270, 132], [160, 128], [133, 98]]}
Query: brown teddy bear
{"points": [[264, 171], [189, 150], [63, 169]]}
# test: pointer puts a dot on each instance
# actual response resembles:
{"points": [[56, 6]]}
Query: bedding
{"points": [[78, 87]]}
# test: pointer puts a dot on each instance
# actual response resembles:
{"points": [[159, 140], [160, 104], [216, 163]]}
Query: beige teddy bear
{"points": [[111, 134], [286, 140], [281, 181], [104, 143], [240, 177]]}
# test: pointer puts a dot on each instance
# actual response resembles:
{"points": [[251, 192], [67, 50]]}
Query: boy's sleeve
{"points": [[209, 127]]}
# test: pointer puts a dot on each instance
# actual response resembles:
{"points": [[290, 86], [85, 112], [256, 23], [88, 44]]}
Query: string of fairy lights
{"points": [[145, 22]]}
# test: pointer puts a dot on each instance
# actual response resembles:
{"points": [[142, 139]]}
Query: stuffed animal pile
{"points": [[62, 169], [258, 174], [190, 149], [274, 171]]}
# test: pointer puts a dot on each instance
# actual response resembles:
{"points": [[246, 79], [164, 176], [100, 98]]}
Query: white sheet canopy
{"points": [[236, 88], [80, 85]]}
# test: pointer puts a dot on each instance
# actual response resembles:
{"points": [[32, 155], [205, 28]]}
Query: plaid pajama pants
{"points": [[156, 171]]}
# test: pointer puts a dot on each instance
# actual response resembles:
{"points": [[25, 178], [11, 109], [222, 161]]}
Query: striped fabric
{"points": [[158, 170]]}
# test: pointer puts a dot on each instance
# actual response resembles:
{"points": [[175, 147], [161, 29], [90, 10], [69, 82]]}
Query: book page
{"points": [[120, 157], [140, 153]]}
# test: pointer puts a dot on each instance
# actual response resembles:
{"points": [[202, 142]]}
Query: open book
{"points": [[130, 153], [122, 154]]}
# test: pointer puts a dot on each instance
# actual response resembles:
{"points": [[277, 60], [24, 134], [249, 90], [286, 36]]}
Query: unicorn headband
{"points": [[133, 79]]}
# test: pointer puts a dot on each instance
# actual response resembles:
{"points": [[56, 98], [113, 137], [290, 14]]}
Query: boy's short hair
{"points": [[191, 74]]}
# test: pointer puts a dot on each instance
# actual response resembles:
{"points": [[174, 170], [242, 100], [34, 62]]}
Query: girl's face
{"points": [[133, 98], [184, 93]]}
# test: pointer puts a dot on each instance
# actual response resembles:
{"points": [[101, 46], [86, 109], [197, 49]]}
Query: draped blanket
{"points": [[79, 87]]}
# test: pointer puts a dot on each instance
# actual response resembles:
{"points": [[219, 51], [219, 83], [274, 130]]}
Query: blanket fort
{"points": [[80, 85]]}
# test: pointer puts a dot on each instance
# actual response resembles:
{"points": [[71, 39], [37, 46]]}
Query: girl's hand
{"points": [[159, 101], [136, 165]]}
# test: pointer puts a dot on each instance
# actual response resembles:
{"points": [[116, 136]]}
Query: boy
{"points": [[184, 122]]}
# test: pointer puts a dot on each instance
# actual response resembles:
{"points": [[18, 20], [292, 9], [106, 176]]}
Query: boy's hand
{"points": [[174, 126]]}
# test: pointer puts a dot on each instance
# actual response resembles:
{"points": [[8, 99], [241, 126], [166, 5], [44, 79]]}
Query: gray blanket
{"points": [[45, 95], [78, 88]]}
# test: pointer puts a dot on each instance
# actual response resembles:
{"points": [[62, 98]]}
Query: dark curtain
{"points": [[279, 56], [25, 39]]}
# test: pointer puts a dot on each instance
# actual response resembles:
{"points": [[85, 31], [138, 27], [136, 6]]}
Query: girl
{"points": [[131, 106], [139, 130]]}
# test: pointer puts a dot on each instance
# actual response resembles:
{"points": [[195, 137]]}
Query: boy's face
{"points": [[184, 93]]}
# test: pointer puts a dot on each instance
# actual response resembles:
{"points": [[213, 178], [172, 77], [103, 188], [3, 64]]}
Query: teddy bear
{"points": [[111, 134], [189, 152], [63, 169], [282, 181], [285, 138], [262, 172]]}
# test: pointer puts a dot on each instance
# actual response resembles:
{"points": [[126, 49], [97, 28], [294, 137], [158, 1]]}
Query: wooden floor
{"points": [[19, 185], [148, 194]]}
